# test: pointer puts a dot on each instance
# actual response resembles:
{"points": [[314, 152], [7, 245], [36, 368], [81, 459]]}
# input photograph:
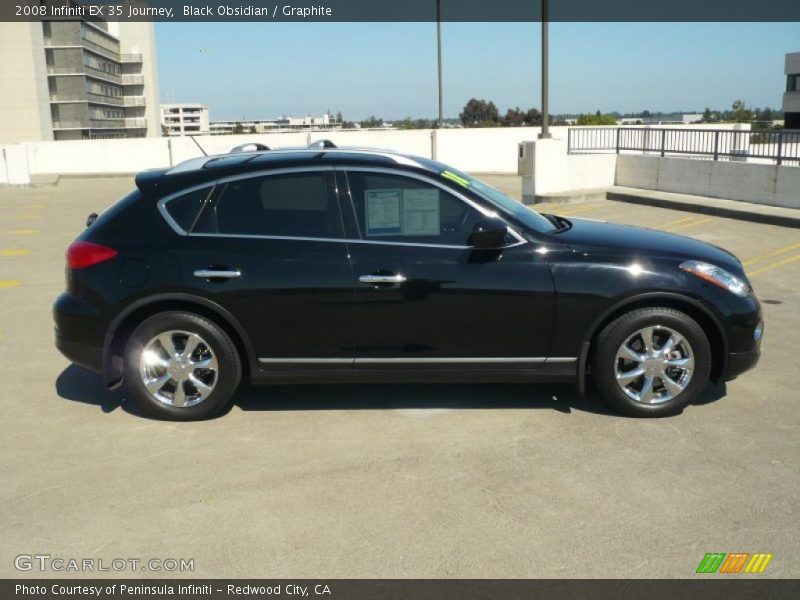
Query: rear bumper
{"points": [[739, 362], [83, 355], [79, 331]]}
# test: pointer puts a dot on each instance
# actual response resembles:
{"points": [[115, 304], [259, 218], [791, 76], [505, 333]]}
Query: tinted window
{"points": [[501, 201], [396, 208], [184, 209], [287, 205]]}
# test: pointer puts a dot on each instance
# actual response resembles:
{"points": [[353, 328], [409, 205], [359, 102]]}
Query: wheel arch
{"points": [[129, 318], [704, 317]]}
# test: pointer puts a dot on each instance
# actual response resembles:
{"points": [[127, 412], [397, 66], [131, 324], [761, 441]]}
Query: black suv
{"points": [[328, 264]]}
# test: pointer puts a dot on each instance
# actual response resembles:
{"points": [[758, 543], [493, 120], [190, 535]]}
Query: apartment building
{"points": [[77, 80], [791, 98], [184, 119]]}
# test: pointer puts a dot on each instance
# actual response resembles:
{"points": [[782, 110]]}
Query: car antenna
{"points": [[198, 145]]}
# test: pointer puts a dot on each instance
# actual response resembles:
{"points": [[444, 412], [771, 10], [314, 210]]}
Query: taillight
{"points": [[86, 254]]}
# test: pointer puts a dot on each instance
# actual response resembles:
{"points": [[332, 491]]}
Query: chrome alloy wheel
{"points": [[654, 365], [178, 368]]}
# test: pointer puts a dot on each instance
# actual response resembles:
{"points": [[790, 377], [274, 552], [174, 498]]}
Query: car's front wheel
{"points": [[651, 362], [181, 366]]}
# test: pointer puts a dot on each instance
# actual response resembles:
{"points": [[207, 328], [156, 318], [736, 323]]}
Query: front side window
{"points": [[292, 205], [402, 209]]}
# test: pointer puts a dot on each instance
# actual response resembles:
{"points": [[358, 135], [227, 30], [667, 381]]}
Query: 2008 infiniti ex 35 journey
{"points": [[328, 264]]}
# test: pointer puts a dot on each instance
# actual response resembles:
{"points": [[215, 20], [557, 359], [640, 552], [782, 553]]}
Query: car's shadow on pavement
{"points": [[79, 385]]}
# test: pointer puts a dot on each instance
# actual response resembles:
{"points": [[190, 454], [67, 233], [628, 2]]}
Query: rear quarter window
{"points": [[185, 208]]}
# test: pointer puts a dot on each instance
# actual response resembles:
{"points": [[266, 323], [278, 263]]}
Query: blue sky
{"points": [[264, 70]]}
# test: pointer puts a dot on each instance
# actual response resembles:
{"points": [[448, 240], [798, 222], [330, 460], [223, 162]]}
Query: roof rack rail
{"points": [[322, 144], [250, 147]]}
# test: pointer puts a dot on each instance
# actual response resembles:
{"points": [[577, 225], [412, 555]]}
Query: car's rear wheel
{"points": [[651, 362], [181, 366]]}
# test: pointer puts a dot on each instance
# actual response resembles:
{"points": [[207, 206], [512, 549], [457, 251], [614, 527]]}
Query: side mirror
{"points": [[488, 233]]}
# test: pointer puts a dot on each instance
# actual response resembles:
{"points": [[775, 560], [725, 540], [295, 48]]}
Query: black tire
{"points": [[617, 332], [228, 374]]}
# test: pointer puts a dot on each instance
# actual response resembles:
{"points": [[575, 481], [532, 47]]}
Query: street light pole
{"points": [[439, 55], [545, 135]]}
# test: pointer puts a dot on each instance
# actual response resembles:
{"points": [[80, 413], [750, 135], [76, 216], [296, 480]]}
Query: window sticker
{"points": [[383, 212], [420, 212], [457, 178]]}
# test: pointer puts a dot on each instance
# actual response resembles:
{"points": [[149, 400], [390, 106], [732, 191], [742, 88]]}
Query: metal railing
{"points": [[90, 124], [136, 122], [780, 147], [135, 101], [132, 79], [102, 99]]}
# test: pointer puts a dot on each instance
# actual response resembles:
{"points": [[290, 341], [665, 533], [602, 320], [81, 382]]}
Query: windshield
{"points": [[498, 199]]}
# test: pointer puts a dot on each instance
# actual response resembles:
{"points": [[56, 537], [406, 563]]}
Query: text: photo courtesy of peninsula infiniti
{"points": [[328, 265]]}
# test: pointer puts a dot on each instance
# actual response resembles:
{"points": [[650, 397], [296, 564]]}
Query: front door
{"points": [[422, 295]]}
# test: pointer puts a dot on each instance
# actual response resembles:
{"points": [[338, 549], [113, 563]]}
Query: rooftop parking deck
{"points": [[395, 480]]}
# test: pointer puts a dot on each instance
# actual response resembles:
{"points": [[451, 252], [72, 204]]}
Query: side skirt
{"points": [[552, 372]]}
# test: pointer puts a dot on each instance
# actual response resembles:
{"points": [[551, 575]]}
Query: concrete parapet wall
{"points": [[762, 184]]}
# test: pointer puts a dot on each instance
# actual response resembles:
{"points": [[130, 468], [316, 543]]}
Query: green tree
{"points": [[480, 113], [514, 117], [533, 117], [741, 114], [252, 129], [238, 129], [372, 122], [596, 119]]}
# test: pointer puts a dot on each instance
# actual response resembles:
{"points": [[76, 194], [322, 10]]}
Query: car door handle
{"points": [[382, 278], [217, 274]]}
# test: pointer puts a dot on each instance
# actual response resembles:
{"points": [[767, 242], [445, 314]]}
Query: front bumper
{"points": [[739, 362]]}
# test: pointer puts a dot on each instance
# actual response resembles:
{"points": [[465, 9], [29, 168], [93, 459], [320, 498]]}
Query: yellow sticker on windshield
{"points": [[453, 177]]}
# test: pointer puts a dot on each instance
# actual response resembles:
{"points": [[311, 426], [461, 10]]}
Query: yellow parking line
{"points": [[9, 283], [685, 225], [776, 265], [23, 231], [14, 252], [783, 250], [38, 206], [676, 221], [22, 218], [578, 209]]}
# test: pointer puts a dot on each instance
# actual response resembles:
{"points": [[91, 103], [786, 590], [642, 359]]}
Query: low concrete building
{"points": [[283, 124], [791, 98], [185, 119]]}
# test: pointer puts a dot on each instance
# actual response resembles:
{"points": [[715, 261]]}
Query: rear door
{"points": [[269, 248]]}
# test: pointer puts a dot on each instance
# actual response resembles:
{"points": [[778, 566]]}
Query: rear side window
{"points": [[292, 205], [185, 208]]}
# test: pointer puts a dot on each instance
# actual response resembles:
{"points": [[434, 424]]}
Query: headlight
{"points": [[717, 276]]}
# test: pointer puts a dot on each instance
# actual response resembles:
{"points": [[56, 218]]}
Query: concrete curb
{"points": [[717, 211]]}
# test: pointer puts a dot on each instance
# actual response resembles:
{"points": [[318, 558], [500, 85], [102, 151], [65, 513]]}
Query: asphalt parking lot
{"points": [[393, 481]]}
